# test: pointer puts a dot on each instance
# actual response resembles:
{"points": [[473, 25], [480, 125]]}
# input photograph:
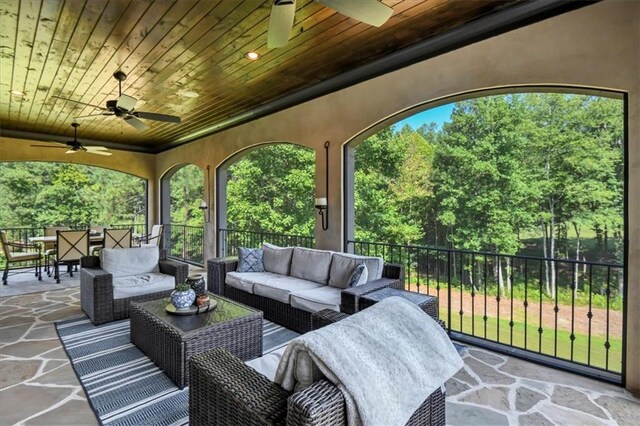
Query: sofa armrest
{"points": [[394, 271], [320, 404], [96, 294], [224, 391], [90, 262], [325, 317], [177, 269], [350, 296], [217, 269]]}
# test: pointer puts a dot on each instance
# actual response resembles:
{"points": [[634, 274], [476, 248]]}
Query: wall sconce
{"points": [[203, 206], [321, 203]]}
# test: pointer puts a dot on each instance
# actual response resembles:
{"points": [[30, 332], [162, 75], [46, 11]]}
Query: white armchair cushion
{"points": [[130, 261], [267, 364], [277, 259], [310, 264], [343, 264], [137, 285]]}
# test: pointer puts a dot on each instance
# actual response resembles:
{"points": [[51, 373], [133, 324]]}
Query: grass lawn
{"points": [[580, 344]]}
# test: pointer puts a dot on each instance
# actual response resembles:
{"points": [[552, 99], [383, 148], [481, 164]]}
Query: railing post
{"points": [[449, 291]]}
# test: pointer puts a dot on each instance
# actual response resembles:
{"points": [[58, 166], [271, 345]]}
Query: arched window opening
{"points": [[268, 197], [510, 208], [182, 217], [38, 194]]}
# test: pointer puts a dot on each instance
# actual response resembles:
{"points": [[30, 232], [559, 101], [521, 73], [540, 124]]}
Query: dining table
{"points": [[93, 239]]}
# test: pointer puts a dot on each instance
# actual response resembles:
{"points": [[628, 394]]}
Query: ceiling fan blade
{"points": [[280, 23], [93, 115], [135, 122], [126, 103], [372, 12], [81, 103], [157, 117], [107, 154], [96, 148], [49, 146]]}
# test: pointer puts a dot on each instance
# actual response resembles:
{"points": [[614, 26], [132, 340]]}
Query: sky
{"points": [[438, 115]]}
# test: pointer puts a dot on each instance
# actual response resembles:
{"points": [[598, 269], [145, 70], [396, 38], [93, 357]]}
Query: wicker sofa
{"points": [[282, 311], [103, 301], [225, 391]]}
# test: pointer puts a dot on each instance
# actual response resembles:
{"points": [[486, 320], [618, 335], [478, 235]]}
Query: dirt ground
{"points": [[566, 317]]}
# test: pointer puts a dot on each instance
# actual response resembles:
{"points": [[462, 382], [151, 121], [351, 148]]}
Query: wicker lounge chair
{"points": [[225, 391]]}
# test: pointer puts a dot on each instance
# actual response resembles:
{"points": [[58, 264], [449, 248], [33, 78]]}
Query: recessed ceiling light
{"points": [[252, 56], [188, 94], [17, 92]]}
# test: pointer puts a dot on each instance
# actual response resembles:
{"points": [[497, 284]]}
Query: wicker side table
{"points": [[429, 304], [169, 341]]}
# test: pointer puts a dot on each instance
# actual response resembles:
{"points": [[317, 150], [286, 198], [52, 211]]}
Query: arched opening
{"points": [[182, 192], [509, 206], [266, 193], [37, 194]]}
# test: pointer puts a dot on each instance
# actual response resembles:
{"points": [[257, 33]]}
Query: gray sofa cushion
{"points": [[317, 299], [123, 262], [343, 264], [245, 280], [280, 288], [267, 364], [277, 259], [310, 264], [137, 285]]}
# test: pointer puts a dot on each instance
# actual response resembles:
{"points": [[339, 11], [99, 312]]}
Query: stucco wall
{"points": [[597, 46], [138, 164]]}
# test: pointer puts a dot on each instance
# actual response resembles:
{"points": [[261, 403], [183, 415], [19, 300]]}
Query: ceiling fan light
{"points": [[16, 92], [189, 94], [252, 56]]}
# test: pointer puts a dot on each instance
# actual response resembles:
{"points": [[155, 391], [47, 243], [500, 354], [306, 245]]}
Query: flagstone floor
{"points": [[38, 385]]}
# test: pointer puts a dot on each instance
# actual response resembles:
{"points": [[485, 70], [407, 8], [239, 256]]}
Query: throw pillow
{"points": [[250, 260], [358, 276]]}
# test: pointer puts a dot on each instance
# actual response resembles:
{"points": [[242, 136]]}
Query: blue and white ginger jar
{"points": [[183, 299]]}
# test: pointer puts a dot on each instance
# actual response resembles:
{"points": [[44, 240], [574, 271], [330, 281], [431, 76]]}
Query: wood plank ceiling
{"points": [[171, 48]]}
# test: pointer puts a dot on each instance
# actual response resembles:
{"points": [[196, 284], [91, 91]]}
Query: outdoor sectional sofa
{"points": [[299, 281]]}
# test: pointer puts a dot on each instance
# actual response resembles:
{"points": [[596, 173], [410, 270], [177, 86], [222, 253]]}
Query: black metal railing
{"points": [[556, 311], [230, 239], [184, 242], [138, 228]]}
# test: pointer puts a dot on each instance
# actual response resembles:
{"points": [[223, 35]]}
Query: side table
{"points": [[429, 304]]}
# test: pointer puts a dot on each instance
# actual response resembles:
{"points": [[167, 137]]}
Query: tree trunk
{"points": [[509, 272], [545, 254], [500, 279]]}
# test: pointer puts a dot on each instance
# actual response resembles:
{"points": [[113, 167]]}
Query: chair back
{"points": [[50, 231], [156, 235], [5, 245], [117, 238], [71, 245]]}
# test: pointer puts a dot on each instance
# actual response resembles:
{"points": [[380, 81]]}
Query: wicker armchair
{"points": [[96, 289], [225, 391]]}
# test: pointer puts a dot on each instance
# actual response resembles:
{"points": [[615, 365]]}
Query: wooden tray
{"points": [[191, 310]]}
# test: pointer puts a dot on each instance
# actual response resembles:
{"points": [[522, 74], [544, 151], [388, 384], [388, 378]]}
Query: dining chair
{"points": [[50, 248], [70, 247], [13, 253], [117, 238], [152, 239]]}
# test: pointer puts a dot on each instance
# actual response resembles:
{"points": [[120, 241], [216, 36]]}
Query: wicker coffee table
{"points": [[171, 340], [428, 304]]}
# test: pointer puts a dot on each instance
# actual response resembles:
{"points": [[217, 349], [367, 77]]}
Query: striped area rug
{"points": [[123, 386]]}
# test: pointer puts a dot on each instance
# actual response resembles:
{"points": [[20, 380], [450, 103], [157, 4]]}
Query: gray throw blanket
{"points": [[386, 360]]}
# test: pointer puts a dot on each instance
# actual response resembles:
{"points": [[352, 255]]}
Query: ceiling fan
{"points": [[74, 146], [124, 107], [372, 12]]}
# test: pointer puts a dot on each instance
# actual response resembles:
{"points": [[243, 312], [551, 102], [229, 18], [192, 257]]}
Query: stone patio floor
{"points": [[38, 385]]}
